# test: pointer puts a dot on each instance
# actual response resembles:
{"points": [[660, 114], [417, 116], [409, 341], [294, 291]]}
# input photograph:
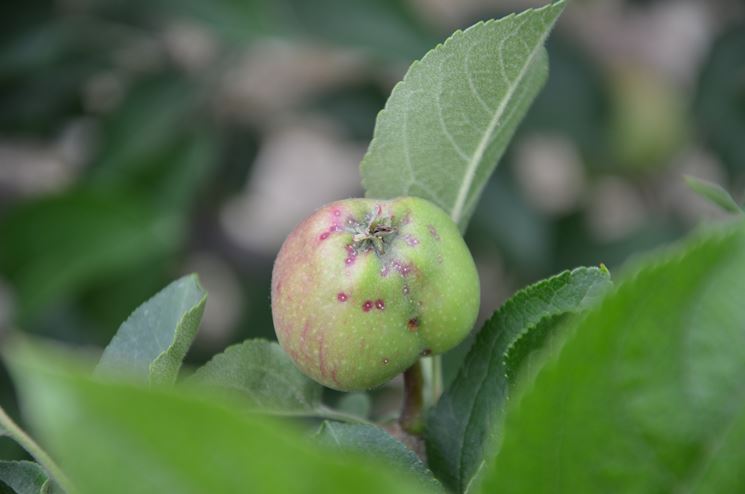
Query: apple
{"points": [[362, 288]]}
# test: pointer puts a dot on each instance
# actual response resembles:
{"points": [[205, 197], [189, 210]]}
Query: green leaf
{"points": [[373, 441], [237, 22], [714, 193], [523, 355], [9, 428], [646, 395], [262, 372], [53, 248], [717, 106], [22, 477], [153, 144], [448, 122], [149, 121], [466, 423], [357, 404], [122, 438], [384, 28], [153, 341]]}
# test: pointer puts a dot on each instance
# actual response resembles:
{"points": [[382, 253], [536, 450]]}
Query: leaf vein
{"points": [[478, 155]]}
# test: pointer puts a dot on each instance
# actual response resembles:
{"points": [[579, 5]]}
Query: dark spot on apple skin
{"points": [[433, 232], [426, 352], [385, 361], [379, 304], [335, 228], [367, 305], [351, 255], [403, 269], [341, 297], [413, 324]]}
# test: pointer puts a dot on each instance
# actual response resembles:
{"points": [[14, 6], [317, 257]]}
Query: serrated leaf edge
{"points": [[197, 308], [472, 166], [236, 347], [517, 298]]}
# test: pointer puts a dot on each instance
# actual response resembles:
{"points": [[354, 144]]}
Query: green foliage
{"points": [[466, 422], [116, 437], [24, 474], [522, 356], [385, 28], [264, 374], [153, 341], [375, 442], [448, 122], [356, 404], [714, 193], [646, 395], [158, 109], [718, 103], [171, 153], [560, 392], [23, 477], [51, 248]]}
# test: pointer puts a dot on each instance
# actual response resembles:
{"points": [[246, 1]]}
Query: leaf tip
{"points": [[604, 269]]}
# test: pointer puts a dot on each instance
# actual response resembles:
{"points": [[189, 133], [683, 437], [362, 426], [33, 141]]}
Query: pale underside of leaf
{"points": [[447, 123], [153, 341], [23, 477], [373, 441], [714, 193], [264, 374]]}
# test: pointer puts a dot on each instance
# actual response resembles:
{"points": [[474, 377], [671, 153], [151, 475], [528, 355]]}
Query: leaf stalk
{"points": [[33, 448]]}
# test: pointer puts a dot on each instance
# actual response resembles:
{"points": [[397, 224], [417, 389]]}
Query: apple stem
{"points": [[436, 378], [411, 419]]}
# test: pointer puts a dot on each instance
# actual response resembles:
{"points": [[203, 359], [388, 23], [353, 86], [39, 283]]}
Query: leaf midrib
{"points": [[478, 155]]}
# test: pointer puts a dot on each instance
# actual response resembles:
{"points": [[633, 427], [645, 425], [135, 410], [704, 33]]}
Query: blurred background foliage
{"points": [[141, 140]]}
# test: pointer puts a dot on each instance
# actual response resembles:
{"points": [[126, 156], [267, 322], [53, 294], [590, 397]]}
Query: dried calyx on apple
{"points": [[363, 288]]}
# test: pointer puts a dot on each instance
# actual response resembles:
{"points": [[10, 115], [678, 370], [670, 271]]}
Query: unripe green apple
{"points": [[362, 288]]}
